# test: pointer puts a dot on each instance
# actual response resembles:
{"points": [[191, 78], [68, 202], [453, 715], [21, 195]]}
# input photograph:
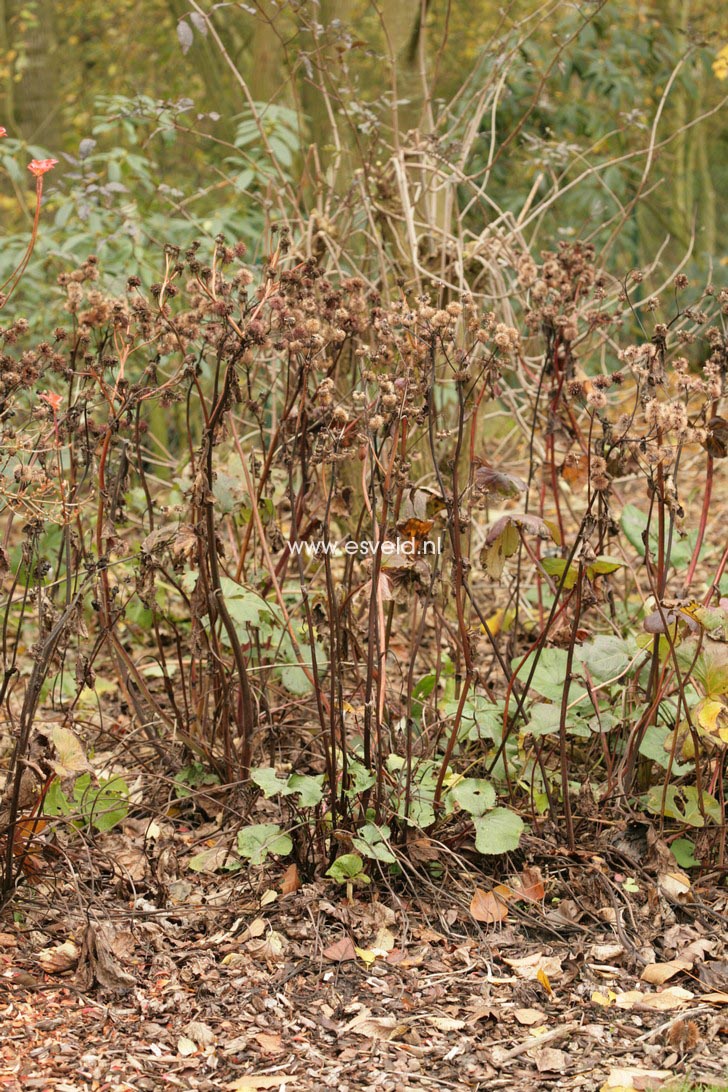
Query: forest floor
{"points": [[606, 974]]}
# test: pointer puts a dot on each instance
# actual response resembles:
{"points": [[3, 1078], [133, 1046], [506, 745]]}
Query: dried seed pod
{"points": [[716, 443]]}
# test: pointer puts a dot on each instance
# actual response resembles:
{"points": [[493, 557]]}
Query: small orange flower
{"points": [[3, 132], [39, 167], [52, 399]]}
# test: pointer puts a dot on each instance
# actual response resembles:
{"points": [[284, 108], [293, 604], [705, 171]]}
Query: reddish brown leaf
{"points": [[489, 906], [529, 885], [291, 880], [341, 951]]}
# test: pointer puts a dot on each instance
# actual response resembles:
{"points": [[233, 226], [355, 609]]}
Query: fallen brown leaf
{"points": [[635, 1080], [376, 1027], [341, 951], [200, 1033], [657, 973], [269, 1042], [271, 947], [445, 1023], [674, 997], [62, 957], [529, 1016], [550, 1060], [676, 885], [251, 1082], [529, 885], [421, 850], [291, 880], [530, 966], [99, 960], [256, 929], [489, 906]]}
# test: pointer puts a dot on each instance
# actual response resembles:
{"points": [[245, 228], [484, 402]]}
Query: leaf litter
{"points": [[263, 980]]}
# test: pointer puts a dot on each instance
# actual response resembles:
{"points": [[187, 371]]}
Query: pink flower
{"points": [[39, 167], [3, 132], [50, 398]]}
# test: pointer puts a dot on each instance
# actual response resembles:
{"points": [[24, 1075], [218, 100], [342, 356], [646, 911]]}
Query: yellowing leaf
{"points": [[709, 714], [675, 885], [543, 978], [186, 1047], [366, 954], [720, 64], [500, 622], [71, 756]]}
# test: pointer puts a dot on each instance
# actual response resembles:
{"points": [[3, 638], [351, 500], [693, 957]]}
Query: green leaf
{"points": [[421, 812], [295, 679], [255, 842], [213, 860], [555, 566], [229, 492], [634, 525], [543, 719], [653, 747], [474, 795], [603, 565], [310, 788], [268, 780], [348, 867], [711, 807], [102, 806], [421, 693], [684, 805], [606, 656], [360, 778], [56, 802], [372, 842], [194, 775], [683, 850], [548, 678], [498, 832]]}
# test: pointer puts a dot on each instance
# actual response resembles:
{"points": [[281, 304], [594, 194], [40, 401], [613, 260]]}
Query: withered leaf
{"points": [[489, 906], [341, 951]]}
